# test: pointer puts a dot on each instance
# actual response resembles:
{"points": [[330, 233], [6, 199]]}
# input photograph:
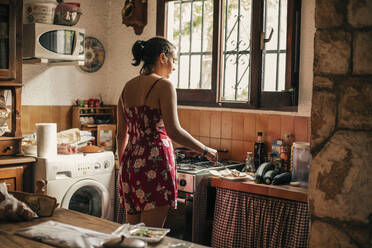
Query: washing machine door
{"points": [[89, 197]]}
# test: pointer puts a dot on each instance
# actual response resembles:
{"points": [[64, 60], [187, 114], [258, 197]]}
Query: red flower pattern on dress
{"points": [[147, 176]]}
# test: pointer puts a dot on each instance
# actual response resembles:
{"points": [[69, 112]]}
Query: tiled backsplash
{"points": [[56, 114], [237, 132], [233, 131]]}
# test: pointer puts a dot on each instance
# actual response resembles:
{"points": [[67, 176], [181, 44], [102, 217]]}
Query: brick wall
{"points": [[340, 196]]}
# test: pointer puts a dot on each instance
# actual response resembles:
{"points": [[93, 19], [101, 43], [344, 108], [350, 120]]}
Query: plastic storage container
{"points": [[39, 11], [301, 160]]}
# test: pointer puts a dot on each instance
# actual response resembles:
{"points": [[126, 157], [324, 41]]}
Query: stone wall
{"points": [[340, 187]]}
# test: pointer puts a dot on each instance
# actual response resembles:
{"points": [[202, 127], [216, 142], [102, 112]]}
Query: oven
{"points": [[192, 220]]}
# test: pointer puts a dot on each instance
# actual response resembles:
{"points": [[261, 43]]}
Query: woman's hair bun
{"points": [[149, 51], [137, 51]]}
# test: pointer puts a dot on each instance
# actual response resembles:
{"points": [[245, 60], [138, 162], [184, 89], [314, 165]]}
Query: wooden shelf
{"points": [[95, 114], [280, 191], [89, 128], [9, 84], [105, 113], [8, 160], [108, 107], [9, 138]]}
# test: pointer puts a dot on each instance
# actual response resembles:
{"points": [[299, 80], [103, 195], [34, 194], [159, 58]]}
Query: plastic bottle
{"points": [[285, 153], [259, 151], [249, 167]]}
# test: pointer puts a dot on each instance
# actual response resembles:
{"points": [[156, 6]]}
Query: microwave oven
{"points": [[53, 42]]}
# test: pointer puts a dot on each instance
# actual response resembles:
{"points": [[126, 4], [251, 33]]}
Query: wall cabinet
{"points": [[11, 72], [10, 42], [15, 171]]}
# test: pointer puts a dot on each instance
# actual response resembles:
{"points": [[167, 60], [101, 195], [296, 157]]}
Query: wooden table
{"points": [[9, 240]]}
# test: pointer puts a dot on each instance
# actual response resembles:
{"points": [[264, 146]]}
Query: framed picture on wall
{"points": [[106, 136]]}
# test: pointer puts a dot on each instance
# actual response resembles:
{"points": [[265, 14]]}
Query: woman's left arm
{"points": [[122, 130]]}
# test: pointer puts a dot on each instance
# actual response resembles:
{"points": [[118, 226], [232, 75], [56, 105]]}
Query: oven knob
{"points": [[182, 182]]}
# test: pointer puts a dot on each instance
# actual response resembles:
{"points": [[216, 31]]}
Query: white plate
{"points": [[227, 171], [143, 231]]}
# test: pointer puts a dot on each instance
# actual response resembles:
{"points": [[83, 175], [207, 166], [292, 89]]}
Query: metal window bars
{"points": [[238, 51], [276, 51], [190, 53]]}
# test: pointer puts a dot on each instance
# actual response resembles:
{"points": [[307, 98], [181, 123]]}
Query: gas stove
{"points": [[204, 166], [193, 163], [193, 172], [191, 169]]}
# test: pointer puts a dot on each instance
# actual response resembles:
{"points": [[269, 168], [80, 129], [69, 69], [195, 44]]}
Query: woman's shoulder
{"points": [[165, 84], [132, 81]]}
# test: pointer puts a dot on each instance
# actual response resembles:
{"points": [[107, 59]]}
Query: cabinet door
{"points": [[8, 39], [12, 177]]}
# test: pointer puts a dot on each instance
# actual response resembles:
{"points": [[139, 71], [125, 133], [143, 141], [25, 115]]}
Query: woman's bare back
{"points": [[135, 91]]}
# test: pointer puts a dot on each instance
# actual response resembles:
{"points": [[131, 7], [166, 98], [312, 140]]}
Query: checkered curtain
{"points": [[119, 211], [248, 220]]}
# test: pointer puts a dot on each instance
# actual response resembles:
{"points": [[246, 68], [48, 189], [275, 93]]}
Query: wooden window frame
{"points": [[285, 100]]}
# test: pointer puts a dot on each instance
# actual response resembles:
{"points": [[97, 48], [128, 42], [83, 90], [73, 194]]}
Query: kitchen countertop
{"points": [[10, 240], [279, 191], [9, 160]]}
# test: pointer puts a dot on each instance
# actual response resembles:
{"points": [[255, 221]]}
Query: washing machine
{"points": [[80, 182]]}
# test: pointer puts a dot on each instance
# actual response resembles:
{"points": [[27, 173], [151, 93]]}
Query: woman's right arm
{"points": [[168, 106], [122, 130]]}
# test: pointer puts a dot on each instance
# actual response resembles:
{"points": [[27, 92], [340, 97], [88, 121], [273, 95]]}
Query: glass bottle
{"points": [[285, 153], [249, 163], [259, 151]]}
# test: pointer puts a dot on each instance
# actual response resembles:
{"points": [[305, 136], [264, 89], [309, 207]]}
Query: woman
{"points": [[147, 115]]}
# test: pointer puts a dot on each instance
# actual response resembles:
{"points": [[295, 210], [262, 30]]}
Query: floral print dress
{"points": [[147, 176]]}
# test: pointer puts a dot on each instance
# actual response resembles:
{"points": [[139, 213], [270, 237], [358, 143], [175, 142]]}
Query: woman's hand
{"points": [[212, 155]]}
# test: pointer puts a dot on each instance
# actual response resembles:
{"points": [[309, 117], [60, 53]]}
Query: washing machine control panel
{"points": [[73, 166], [98, 163]]}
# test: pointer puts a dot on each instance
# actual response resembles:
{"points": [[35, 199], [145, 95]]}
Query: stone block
{"points": [[326, 235], [328, 13], [323, 117], [362, 52], [359, 13], [359, 233], [323, 82], [339, 183], [354, 109], [332, 52]]}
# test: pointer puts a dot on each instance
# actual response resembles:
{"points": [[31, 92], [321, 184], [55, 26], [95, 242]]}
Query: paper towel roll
{"points": [[46, 139]]}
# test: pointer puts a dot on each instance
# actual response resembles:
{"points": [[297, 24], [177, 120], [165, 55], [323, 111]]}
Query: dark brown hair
{"points": [[149, 51]]}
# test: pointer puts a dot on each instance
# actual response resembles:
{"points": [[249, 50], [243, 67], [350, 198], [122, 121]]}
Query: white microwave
{"points": [[53, 42]]}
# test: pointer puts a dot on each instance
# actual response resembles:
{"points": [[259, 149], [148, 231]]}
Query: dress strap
{"points": [[152, 86]]}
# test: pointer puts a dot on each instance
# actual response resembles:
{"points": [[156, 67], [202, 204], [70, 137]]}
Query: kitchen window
{"points": [[234, 53]]}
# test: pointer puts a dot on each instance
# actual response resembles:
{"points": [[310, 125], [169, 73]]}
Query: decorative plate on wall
{"points": [[94, 55]]}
